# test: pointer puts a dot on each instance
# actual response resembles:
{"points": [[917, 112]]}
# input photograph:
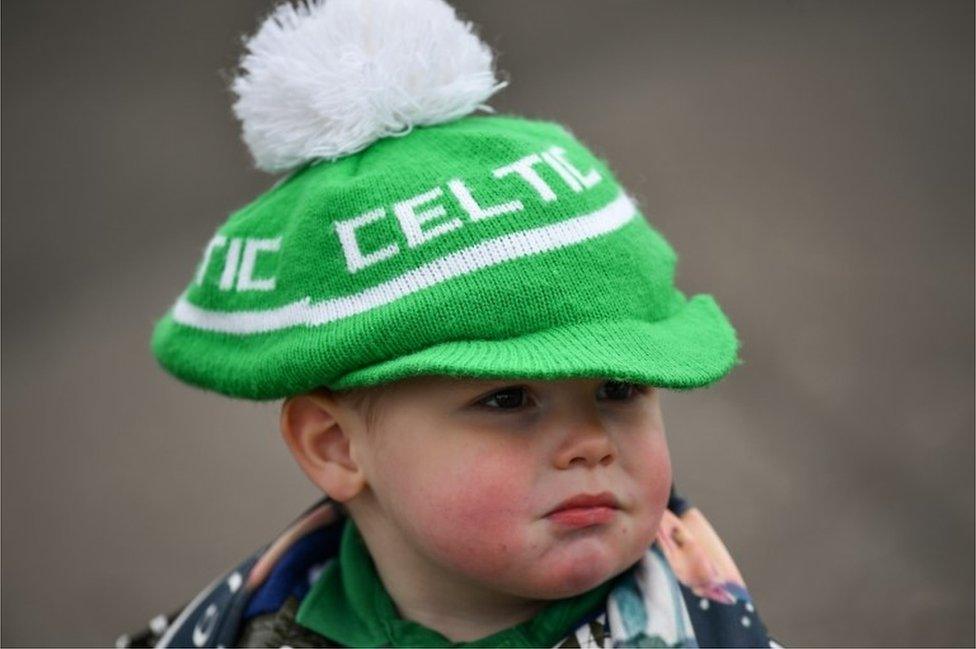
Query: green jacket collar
{"points": [[349, 604]]}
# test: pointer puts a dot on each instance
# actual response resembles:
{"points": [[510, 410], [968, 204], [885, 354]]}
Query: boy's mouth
{"points": [[585, 509]]}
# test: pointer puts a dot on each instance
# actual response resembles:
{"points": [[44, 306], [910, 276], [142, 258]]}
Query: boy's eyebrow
{"points": [[473, 383], [477, 383]]}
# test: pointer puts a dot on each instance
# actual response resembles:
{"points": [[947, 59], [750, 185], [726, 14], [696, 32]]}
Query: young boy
{"points": [[469, 322]]}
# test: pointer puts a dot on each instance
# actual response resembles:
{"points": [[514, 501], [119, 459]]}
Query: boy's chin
{"points": [[562, 590], [586, 573], [563, 582]]}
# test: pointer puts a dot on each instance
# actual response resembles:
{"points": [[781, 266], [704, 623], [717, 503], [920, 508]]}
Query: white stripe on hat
{"points": [[491, 252]]}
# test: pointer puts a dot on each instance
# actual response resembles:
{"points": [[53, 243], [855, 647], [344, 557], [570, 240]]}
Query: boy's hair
{"points": [[364, 401]]}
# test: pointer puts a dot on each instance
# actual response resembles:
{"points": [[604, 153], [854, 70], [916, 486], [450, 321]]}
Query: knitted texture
{"points": [[491, 246]]}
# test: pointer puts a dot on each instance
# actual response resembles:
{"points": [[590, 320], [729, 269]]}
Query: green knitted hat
{"points": [[479, 246]]}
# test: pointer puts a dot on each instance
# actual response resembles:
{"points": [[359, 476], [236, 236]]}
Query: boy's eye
{"points": [[515, 397], [507, 399], [621, 391]]}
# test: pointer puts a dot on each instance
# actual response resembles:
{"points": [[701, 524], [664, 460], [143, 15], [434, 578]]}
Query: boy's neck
{"points": [[427, 594]]}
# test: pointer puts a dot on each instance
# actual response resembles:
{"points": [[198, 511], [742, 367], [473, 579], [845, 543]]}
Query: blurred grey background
{"points": [[812, 163]]}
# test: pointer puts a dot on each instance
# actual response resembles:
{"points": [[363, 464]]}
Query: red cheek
{"points": [[479, 517]]}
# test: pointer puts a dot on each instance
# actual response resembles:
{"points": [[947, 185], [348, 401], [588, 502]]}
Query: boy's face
{"points": [[465, 473]]}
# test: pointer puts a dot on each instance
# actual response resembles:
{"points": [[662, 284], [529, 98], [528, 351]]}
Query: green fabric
{"points": [[547, 270], [349, 604]]}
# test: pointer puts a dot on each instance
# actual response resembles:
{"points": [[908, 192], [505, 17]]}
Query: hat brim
{"points": [[692, 348]]}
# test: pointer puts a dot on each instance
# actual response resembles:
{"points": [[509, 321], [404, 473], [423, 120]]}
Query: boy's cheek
{"points": [[477, 514], [651, 471], [658, 481], [651, 463]]}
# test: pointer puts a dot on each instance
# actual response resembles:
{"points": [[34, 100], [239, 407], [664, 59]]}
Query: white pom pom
{"points": [[328, 78]]}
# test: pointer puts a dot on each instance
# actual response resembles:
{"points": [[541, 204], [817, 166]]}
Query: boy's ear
{"points": [[312, 427]]}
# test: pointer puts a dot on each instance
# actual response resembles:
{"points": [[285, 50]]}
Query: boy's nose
{"points": [[589, 445]]}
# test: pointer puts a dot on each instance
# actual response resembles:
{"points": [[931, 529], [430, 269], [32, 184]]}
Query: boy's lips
{"points": [[585, 509]]}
